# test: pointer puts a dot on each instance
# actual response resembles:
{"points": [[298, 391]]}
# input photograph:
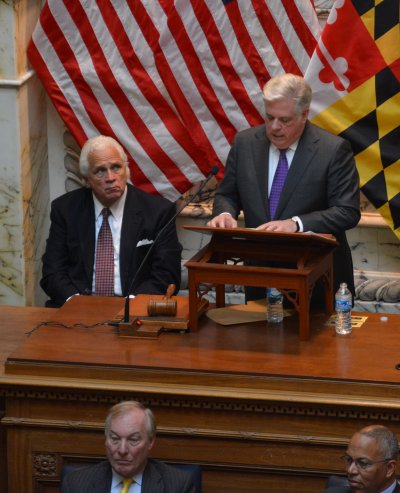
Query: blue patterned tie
{"points": [[277, 185]]}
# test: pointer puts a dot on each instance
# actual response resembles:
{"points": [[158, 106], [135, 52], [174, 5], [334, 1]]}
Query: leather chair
{"points": [[194, 470], [335, 480]]}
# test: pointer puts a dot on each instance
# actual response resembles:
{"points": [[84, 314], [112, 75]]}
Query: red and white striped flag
{"points": [[172, 80]]}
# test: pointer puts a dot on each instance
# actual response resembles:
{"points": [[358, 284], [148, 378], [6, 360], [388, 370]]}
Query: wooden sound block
{"points": [[137, 329], [138, 309]]}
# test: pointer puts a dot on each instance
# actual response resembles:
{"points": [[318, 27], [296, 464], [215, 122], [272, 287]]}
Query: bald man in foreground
{"points": [[370, 461]]}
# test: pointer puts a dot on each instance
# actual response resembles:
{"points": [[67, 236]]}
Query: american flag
{"points": [[172, 80]]}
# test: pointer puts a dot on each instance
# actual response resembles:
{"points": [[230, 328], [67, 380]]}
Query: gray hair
{"points": [[385, 438], [125, 407], [97, 143], [288, 86]]}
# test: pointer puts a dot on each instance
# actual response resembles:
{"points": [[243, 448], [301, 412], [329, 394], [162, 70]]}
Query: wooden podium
{"points": [[306, 257]]}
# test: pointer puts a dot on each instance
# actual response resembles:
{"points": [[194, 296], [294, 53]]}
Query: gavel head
{"points": [[156, 308], [165, 307]]}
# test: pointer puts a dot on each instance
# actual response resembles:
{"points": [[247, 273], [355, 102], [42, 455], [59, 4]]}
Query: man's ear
{"points": [[390, 468], [151, 443]]}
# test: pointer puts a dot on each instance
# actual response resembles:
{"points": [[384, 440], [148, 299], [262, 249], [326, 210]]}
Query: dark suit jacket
{"points": [[157, 478], [347, 489], [69, 257], [322, 188]]}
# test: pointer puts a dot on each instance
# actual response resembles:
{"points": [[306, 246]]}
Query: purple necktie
{"points": [[277, 185], [104, 285]]}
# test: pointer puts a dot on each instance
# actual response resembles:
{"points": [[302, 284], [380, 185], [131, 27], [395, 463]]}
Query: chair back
{"points": [[336, 480], [194, 470]]}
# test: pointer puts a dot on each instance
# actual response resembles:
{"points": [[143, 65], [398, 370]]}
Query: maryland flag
{"points": [[354, 74]]}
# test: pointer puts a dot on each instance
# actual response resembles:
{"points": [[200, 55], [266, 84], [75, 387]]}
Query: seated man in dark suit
{"points": [[370, 461], [126, 219], [130, 435]]}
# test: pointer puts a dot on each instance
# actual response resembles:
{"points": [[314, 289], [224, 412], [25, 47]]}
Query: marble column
{"points": [[24, 194]]}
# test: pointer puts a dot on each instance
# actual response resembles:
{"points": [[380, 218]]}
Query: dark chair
{"points": [[335, 480], [67, 469], [193, 469]]}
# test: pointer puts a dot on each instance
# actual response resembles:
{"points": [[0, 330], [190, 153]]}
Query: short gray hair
{"points": [[385, 438], [125, 407], [288, 86], [97, 143]]}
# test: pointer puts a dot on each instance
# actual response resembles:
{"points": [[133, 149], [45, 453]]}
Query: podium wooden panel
{"points": [[307, 257], [256, 407]]}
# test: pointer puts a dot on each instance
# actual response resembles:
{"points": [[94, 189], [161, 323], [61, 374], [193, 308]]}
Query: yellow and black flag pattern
{"points": [[355, 78]]}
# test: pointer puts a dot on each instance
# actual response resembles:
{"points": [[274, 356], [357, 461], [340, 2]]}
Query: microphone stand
{"points": [[126, 322]]}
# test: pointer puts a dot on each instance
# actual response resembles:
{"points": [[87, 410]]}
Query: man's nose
{"points": [[122, 448], [110, 175], [352, 468], [276, 123]]}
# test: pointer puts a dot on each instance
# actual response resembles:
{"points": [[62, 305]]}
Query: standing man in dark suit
{"points": [[320, 182], [134, 218], [370, 460], [130, 436]]}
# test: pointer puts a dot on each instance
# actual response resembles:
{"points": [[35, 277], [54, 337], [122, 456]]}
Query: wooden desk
{"points": [[14, 322], [259, 409]]}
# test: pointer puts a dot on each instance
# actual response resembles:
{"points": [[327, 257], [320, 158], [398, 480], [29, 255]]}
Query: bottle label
{"points": [[274, 295], [343, 305]]}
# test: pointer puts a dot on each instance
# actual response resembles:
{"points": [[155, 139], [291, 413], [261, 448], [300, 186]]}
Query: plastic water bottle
{"points": [[343, 305], [274, 306]]}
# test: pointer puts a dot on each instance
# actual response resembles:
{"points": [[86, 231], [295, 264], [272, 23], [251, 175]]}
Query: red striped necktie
{"points": [[104, 285]]}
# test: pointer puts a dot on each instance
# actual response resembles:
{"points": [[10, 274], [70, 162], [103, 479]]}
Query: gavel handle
{"points": [[170, 291]]}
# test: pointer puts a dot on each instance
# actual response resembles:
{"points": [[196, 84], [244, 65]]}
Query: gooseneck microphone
{"points": [[213, 172]]}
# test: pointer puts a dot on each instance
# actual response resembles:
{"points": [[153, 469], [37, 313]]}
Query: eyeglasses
{"points": [[116, 169], [361, 463]]}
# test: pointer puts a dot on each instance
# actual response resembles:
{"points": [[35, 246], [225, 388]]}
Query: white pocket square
{"points": [[144, 242]]}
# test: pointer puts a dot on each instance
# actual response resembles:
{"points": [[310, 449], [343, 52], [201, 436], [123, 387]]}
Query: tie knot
{"points": [[282, 152], [125, 485], [106, 213]]}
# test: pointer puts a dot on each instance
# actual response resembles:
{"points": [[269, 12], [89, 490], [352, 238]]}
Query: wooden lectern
{"points": [[306, 257]]}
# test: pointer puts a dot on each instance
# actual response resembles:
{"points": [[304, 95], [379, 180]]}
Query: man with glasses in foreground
{"points": [[289, 175], [370, 462], [99, 235]]}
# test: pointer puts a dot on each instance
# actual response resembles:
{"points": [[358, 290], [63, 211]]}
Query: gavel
{"points": [[164, 307]]}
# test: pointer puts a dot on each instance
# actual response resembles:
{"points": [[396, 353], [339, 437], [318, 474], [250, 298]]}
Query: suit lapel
{"points": [[101, 483], [131, 227], [87, 233], [152, 480], [260, 160], [301, 161]]}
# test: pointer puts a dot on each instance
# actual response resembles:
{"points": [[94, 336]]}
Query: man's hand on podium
{"points": [[285, 226], [224, 220]]}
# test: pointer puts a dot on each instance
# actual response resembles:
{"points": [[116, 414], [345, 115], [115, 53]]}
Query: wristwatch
{"points": [[295, 219]]}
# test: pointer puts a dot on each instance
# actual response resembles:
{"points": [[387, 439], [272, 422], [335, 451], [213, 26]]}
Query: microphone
{"points": [[213, 172]]}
